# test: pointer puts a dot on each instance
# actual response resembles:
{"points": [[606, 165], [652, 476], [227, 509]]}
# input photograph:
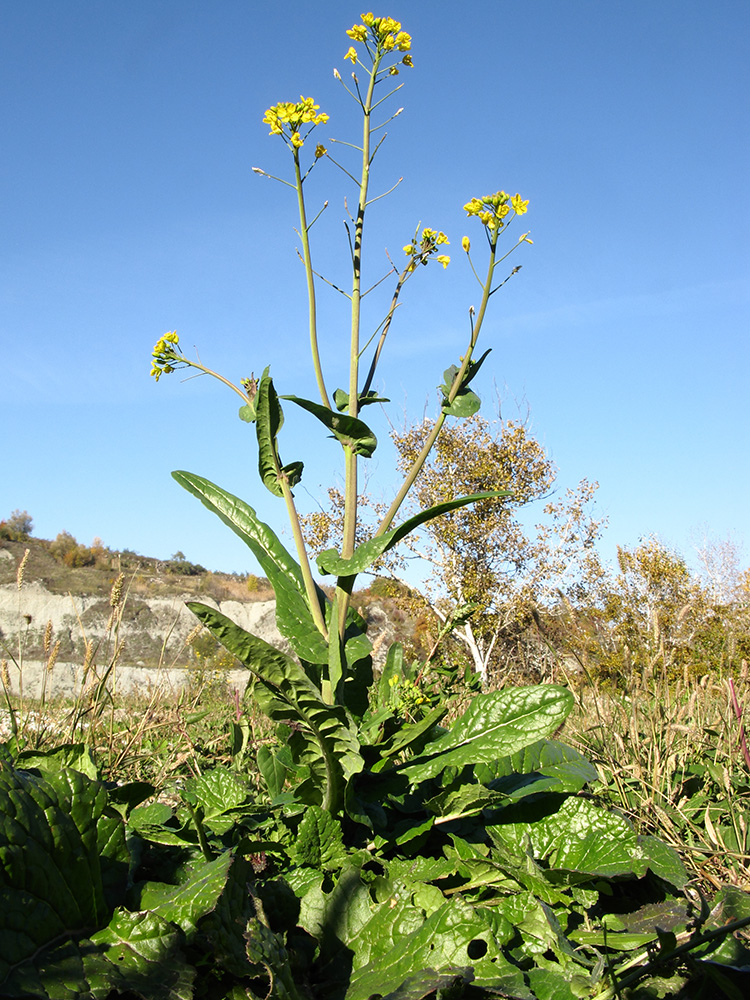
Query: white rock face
{"points": [[152, 631]]}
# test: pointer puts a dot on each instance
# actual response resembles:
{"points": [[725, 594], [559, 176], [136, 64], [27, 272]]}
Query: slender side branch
{"points": [[438, 425], [403, 278], [312, 310], [304, 561]]}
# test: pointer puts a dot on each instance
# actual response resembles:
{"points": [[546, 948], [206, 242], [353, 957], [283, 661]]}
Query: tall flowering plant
{"points": [[328, 691]]}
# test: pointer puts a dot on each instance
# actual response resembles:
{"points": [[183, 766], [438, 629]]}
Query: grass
{"points": [[669, 753], [670, 757]]}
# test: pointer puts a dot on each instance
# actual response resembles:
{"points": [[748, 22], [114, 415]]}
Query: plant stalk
{"points": [[345, 585], [438, 425], [307, 260]]}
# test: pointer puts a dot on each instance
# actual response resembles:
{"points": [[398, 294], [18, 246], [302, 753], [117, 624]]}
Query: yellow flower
{"points": [[368, 19], [518, 204], [466, 243], [409, 249], [351, 54], [407, 61], [165, 350], [443, 259], [358, 32], [320, 151], [287, 118]]}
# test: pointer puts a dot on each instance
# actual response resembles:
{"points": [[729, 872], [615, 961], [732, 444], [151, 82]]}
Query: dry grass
{"points": [[670, 757]]}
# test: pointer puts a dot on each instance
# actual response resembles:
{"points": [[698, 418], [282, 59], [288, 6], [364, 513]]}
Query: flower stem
{"points": [[304, 561], [307, 260], [456, 385], [350, 492]]}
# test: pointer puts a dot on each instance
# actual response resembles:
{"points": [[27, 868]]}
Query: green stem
{"points": [[195, 815], [210, 371], [350, 471], [432, 437], [664, 958], [403, 278], [307, 260], [304, 561]]}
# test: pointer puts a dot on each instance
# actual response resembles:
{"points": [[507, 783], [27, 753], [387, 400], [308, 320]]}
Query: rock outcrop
{"points": [[152, 632]]}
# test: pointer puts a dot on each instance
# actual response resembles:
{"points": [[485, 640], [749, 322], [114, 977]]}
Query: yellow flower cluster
{"points": [[420, 250], [492, 209], [287, 119], [405, 693], [165, 354], [385, 34]]}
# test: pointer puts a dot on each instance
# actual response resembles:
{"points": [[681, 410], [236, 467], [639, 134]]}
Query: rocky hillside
{"points": [[80, 616], [131, 609]]}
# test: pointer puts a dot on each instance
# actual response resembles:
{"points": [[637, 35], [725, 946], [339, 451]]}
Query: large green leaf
{"points": [[573, 835], [185, 904], [350, 431], [453, 940], [49, 861], [494, 725], [217, 793], [293, 615], [546, 766], [63, 866], [273, 768], [75, 755], [319, 842], [366, 553], [136, 955], [211, 904], [269, 419], [286, 694]]}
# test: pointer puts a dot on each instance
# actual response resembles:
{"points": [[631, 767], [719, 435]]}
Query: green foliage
{"points": [[379, 850], [17, 527], [67, 550], [655, 615], [453, 877]]}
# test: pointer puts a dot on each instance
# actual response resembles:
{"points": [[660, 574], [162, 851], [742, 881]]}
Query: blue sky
{"points": [[129, 208]]}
